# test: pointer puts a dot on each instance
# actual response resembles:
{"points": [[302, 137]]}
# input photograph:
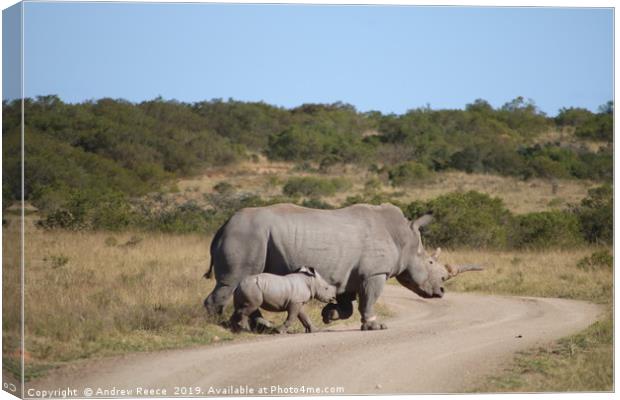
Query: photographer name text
{"points": [[185, 391]]}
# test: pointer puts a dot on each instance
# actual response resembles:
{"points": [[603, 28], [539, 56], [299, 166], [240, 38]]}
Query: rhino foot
{"points": [[262, 321], [373, 326], [330, 313]]}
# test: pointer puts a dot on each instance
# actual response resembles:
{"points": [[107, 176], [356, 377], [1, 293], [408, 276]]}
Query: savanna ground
{"points": [[95, 294]]}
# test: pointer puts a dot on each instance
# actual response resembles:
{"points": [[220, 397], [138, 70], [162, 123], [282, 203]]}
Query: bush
{"points": [[597, 260], [573, 116], [595, 215], [409, 173], [546, 229], [91, 209], [376, 199], [469, 160], [316, 203], [464, 219], [224, 188], [599, 127], [323, 143], [314, 186], [186, 218]]}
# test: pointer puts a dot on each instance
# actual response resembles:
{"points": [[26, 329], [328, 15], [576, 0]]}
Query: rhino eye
{"points": [[431, 261]]}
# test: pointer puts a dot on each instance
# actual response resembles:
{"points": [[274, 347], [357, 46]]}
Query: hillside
{"points": [[186, 167], [117, 146], [266, 179]]}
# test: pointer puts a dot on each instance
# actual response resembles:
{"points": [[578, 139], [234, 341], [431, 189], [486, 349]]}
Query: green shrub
{"points": [[595, 215], [91, 209], [464, 219], [597, 260], [599, 127], [376, 199], [546, 229], [316, 203], [469, 160], [185, 218], [224, 187], [314, 186], [573, 116], [409, 173]]}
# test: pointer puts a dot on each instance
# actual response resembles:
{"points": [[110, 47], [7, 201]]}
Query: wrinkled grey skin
{"points": [[356, 249], [280, 293]]}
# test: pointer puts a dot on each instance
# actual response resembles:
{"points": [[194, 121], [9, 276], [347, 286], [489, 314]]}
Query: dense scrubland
{"points": [[128, 196], [108, 164]]}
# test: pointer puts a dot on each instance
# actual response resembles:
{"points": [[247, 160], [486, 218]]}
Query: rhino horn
{"points": [[455, 270]]}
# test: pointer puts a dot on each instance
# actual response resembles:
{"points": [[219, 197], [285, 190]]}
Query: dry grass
{"points": [[11, 296], [91, 294], [546, 273], [266, 179]]}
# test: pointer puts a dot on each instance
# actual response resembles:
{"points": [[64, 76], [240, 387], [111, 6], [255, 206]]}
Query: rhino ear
{"points": [[420, 222], [307, 270], [312, 271]]}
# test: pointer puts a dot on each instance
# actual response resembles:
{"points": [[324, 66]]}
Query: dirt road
{"points": [[431, 346]]}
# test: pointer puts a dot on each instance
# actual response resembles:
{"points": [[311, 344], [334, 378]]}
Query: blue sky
{"points": [[386, 58]]}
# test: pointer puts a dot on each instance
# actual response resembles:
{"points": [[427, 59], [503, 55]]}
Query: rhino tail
{"points": [[212, 249], [209, 272]]}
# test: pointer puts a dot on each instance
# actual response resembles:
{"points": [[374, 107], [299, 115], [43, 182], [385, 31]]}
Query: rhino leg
{"points": [[370, 290], [239, 321], [258, 323], [342, 310], [306, 322], [293, 312], [217, 299]]}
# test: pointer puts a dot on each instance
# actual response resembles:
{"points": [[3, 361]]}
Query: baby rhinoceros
{"points": [[280, 293]]}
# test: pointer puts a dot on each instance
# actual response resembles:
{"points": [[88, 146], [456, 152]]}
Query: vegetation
{"points": [[409, 173], [587, 124], [547, 229], [128, 150], [596, 215], [477, 220], [314, 186]]}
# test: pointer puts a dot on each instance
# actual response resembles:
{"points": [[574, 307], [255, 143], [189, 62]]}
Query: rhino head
{"points": [[320, 289], [424, 274]]}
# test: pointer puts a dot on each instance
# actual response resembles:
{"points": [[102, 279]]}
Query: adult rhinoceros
{"points": [[356, 248]]}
